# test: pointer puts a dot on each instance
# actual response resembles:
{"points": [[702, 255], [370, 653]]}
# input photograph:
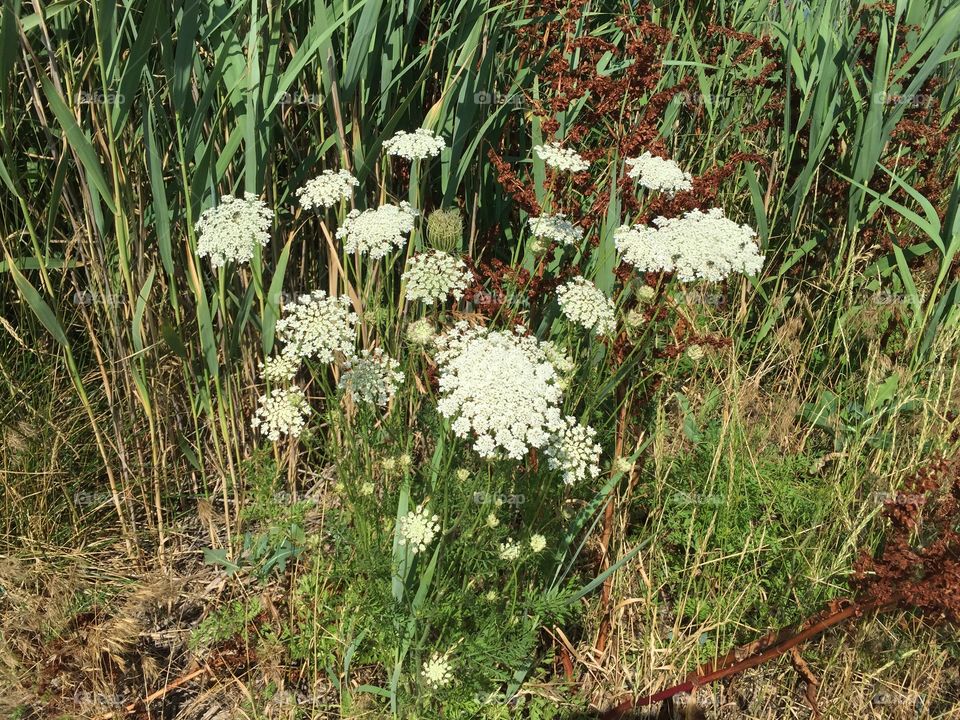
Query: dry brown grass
{"points": [[84, 632]]}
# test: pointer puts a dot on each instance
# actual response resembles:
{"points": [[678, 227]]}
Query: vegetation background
{"points": [[146, 536]]}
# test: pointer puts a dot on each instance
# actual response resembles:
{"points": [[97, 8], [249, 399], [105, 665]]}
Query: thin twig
{"points": [[182, 680]]}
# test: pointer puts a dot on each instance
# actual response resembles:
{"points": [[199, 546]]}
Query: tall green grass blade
{"points": [[80, 144]]}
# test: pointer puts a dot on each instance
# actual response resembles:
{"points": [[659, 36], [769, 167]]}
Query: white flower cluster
{"points": [[503, 389], [643, 248], [696, 246], [282, 412], [575, 452], [560, 158], [510, 550], [280, 368], [500, 387], [371, 377], [327, 190], [559, 358], [376, 231], [585, 304], [562, 363], [318, 326], [418, 528], [656, 173], [417, 145], [437, 671], [230, 231], [556, 228], [433, 275], [538, 543]]}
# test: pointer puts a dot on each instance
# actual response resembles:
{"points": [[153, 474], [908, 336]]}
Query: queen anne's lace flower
{"points": [[538, 543], [645, 293], [437, 671], [421, 332], [230, 231], [418, 528], [575, 452], [282, 412], [280, 368], [327, 190], [417, 145], [561, 362], [318, 326], [697, 246], [556, 228], [635, 319], [560, 158], [622, 465], [434, 275], [445, 229], [377, 231], [658, 174], [499, 387], [583, 302], [510, 550], [559, 358], [372, 377], [643, 248]]}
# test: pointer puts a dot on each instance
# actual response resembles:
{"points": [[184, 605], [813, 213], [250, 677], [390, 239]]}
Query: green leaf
{"points": [[137, 322], [147, 26], [601, 578], [79, 143], [158, 193], [690, 428], [47, 263], [37, 304], [271, 308], [189, 454], [218, 556], [883, 393], [8, 43], [172, 338]]}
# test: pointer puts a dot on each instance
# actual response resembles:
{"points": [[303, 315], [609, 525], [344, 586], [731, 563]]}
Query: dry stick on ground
{"points": [[804, 671], [182, 680]]}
